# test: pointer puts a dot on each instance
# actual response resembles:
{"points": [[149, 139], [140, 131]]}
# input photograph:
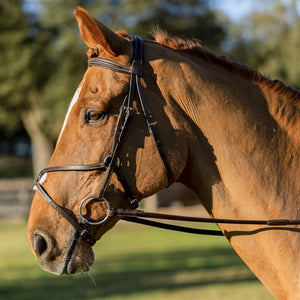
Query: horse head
{"points": [[86, 139]]}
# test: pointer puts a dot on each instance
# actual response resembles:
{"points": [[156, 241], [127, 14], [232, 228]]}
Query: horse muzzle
{"points": [[77, 256]]}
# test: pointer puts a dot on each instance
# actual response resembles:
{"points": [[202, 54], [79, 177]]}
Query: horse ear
{"points": [[97, 35]]}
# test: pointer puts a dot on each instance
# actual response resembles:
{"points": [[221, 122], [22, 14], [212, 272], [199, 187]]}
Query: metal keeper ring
{"points": [[85, 220]]}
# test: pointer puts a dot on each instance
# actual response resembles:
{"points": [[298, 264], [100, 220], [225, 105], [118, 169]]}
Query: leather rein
{"points": [[111, 164]]}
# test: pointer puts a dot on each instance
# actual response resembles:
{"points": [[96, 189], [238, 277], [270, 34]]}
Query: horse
{"points": [[221, 128]]}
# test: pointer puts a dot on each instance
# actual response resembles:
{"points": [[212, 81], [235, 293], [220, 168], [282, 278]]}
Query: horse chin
{"points": [[79, 258]]}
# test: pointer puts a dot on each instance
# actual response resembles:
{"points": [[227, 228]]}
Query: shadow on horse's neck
{"points": [[237, 145], [244, 162]]}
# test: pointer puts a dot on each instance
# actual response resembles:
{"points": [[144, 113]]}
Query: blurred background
{"points": [[42, 60]]}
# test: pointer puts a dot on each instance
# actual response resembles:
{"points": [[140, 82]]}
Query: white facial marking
{"points": [[73, 102]]}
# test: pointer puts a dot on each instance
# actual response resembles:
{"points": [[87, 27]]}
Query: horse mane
{"points": [[256, 77], [195, 48]]}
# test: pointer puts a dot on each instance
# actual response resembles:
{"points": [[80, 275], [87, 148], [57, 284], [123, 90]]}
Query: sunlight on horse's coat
{"points": [[227, 132]]}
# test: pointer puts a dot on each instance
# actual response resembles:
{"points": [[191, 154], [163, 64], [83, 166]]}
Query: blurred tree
{"points": [[269, 40], [184, 18], [42, 59], [21, 49], [37, 73]]}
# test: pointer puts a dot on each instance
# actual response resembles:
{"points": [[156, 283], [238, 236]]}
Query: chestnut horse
{"points": [[226, 131]]}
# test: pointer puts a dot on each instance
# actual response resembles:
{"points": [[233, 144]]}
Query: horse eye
{"points": [[94, 116]]}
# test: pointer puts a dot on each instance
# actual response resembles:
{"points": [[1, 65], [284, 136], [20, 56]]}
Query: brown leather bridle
{"points": [[111, 164]]}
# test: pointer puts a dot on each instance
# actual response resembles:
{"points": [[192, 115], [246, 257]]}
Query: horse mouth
{"points": [[80, 257]]}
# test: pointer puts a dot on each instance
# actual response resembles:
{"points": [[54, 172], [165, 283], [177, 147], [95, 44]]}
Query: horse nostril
{"points": [[40, 244]]}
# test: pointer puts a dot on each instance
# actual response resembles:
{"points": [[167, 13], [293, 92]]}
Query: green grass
{"points": [[132, 262]]}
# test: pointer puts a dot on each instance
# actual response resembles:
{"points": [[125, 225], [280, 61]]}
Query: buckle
{"points": [[107, 161], [134, 204], [137, 68]]}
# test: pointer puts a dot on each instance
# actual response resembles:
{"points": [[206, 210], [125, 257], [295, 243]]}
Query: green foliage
{"points": [[187, 19], [37, 65], [13, 59], [269, 40]]}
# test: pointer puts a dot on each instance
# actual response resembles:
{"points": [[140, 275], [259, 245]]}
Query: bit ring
{"points": [[85, 220]]}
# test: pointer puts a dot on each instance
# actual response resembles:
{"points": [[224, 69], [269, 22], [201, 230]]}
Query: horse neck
{"points": [[243, 151], [244, 161]]}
